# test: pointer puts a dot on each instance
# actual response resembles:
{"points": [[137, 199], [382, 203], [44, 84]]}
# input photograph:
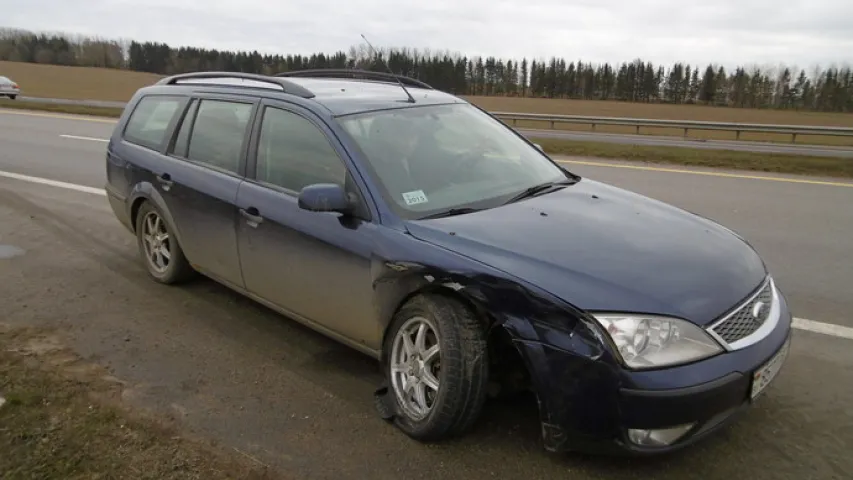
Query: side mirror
{"points": [[325, 197]]}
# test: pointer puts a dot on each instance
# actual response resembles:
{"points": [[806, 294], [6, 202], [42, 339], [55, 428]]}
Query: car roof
{"points": [[338, 95], [348, 96]]}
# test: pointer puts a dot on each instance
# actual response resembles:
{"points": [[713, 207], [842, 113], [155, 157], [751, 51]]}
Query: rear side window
{"points": [[150, 119], [218, 133], [294, 153]]}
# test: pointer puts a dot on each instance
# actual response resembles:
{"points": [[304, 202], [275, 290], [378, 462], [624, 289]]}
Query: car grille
{"points": [[742, 323]]}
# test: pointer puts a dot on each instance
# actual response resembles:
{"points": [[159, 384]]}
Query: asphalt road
{"points": [[231, 370], [31, 144]]}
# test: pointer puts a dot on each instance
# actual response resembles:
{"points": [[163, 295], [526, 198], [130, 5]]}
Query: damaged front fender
{"points": [[571, 369], [573, 375]]}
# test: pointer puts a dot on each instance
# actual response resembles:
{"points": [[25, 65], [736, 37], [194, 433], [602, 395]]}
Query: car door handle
{"points": [[252, 215], [165, 180]]}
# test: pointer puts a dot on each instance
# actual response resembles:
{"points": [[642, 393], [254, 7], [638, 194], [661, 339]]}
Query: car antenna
{"points": [[411, 98]]}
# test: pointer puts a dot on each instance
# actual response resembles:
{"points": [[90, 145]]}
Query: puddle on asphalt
{"points": [[9, 251]]}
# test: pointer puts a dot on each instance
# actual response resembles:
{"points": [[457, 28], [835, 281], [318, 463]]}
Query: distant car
{"points": [[416, 228], [8, 88]]}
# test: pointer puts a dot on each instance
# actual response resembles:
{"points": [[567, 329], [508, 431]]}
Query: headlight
{"points": [[650, 341]]}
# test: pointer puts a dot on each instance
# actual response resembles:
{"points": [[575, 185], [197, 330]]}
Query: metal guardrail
{"points": [[553, 120], [66, 101], [686, 125]]}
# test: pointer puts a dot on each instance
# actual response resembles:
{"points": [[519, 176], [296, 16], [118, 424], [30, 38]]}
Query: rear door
{"points": [[315, 266], [136, 151], [204, 167]]}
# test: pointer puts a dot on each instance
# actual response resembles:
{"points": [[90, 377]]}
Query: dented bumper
{"points": [[590, 405]]}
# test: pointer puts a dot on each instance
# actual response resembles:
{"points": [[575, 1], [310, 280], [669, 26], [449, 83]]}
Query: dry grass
{"points": [[76, 83], [62, 419], [735, 160], [660, 111], [118, 85]]}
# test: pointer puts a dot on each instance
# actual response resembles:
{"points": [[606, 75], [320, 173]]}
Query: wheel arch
{"points": [[145, 192], [513, 371], [446, 290]]}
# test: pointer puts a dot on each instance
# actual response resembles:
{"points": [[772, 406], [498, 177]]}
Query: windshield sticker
{"points": [[415, 197]]}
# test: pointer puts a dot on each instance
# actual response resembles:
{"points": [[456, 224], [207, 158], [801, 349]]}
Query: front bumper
{"points": [[587, 406], [707, 407]]}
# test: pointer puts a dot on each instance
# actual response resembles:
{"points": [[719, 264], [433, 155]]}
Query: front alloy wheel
{"points": [[415, 367], [437, 367]]}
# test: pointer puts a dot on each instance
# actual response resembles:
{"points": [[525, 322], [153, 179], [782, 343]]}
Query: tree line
{"points": [[822, 89]]}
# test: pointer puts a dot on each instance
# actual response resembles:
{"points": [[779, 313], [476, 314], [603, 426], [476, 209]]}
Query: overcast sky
{"points": [[798, 33]]}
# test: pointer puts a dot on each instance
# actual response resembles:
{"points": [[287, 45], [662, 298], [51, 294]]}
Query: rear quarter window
{"points": [[150, 120]]}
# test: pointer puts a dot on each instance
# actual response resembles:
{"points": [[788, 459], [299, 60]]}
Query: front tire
{"points": [[161, 253], [437, 367]]}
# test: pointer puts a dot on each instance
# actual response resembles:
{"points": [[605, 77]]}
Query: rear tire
{"points": [[13, 97], [159, 248], [446, 348]]}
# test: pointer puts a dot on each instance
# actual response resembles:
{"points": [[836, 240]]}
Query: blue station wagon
{"points": [[418, 229]]}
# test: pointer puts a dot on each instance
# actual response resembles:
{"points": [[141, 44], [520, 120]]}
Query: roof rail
{"points": [[355, 73], [287, 86]]}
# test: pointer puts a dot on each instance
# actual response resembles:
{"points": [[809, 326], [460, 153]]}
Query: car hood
{"points": [[603, 248]]}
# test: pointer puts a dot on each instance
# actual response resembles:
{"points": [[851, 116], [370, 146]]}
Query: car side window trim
{"points": [[170, 128], [188, 115], [198, 99], [364, 209]]}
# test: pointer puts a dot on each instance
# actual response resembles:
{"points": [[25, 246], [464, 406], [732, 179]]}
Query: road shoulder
{"points": [[63, 417]]}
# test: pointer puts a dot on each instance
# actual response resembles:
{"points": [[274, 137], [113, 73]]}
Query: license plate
{"points": [[767, 372]]}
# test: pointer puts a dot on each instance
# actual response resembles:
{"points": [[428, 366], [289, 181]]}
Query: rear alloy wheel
{"points": [[437, 367], [159, 248]]}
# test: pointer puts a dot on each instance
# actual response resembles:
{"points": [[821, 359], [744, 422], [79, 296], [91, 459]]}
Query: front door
{"points": [[313, 265]]}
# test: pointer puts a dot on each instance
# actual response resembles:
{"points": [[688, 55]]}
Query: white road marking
{"points": [[829, 329], [54, 183], [91, 139], [704, 172], [824, 328]]}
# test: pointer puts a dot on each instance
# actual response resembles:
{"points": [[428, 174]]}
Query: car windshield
{"points": [[436, 158]]}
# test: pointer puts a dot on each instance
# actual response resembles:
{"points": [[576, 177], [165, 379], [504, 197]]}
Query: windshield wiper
{"points": [[451, 212], [537, 189]]}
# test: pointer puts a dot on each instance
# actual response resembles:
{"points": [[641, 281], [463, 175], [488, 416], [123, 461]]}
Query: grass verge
{"points": [[55, 108], [62, 420], [751, 161]]}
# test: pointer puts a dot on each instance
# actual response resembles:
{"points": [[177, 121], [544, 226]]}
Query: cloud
{"points": [[727, 32]]}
